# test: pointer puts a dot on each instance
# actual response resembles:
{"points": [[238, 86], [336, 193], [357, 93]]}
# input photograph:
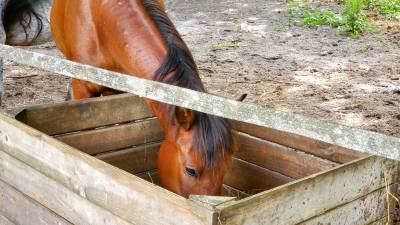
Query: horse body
{"points": [[104, 34], [136, 37]]}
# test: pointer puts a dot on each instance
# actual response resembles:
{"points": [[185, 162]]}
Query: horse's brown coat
{"points": [[122, 36]]}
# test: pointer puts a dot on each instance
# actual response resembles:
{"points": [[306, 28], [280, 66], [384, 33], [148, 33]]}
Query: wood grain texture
{"points": [[52, 195], [79, 115], [120, 193], [5, 221], [230, 191], [278, 158], [211, 201], [252, 179], [115, 137], [133, 160], [381, 221], [318, 148], [336, 134], [312, 196], [22, 210], [364, 210]]}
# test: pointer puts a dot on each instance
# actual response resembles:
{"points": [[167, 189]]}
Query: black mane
{"points": [[213, 136]]}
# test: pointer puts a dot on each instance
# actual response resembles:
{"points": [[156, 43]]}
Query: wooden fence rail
{"points": [[353, 138]]}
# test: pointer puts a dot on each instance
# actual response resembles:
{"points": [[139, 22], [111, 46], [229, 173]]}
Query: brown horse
{"points": [[136, 37]]}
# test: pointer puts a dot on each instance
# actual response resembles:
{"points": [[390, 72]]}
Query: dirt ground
{"points": [[250, 46]]}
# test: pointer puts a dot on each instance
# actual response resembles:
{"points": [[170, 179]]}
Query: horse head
{"points": [[197, 153]]}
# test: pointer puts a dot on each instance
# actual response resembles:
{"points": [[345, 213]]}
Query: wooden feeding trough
{"points": [[277, 177]]}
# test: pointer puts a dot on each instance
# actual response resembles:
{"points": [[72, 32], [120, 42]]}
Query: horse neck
{"points": [[136, 44], [131, 37]]}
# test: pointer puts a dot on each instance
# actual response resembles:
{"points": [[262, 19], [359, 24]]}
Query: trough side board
{"points": [[279, 158], [318, 148], [235, 212], [303, 199], [115, 137], [91, 113], [52, 195], [117, 191], [23, 210], [364, 210]]}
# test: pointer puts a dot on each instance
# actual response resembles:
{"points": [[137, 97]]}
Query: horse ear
{"points": [[241, 98], [184, 117]]}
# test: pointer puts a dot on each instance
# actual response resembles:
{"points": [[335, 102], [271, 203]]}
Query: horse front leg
{"points": [[82, 89]]}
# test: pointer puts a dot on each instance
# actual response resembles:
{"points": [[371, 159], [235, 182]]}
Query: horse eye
{"points": [[191, 172]]}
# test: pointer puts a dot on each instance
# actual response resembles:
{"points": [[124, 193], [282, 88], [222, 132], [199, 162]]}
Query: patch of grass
{"points": [[313, 18], [389, 8], [356, 22], [295, 8], [322, 17], [225, 46], [352, 20]]}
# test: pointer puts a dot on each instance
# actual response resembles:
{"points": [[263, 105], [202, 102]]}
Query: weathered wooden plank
{"points": [[278, 158], [52, 195], [382, 221], [364, 210], [352, 138], [115, 137], [22, 210], [230, 191], [211, 201], [84, 114], [121, 193], [321, 149], [252, 179], [133, 160], [311, 196], [5, 221]]}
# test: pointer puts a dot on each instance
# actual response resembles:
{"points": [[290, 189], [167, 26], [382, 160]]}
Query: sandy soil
{"points": [[250, 46]]}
